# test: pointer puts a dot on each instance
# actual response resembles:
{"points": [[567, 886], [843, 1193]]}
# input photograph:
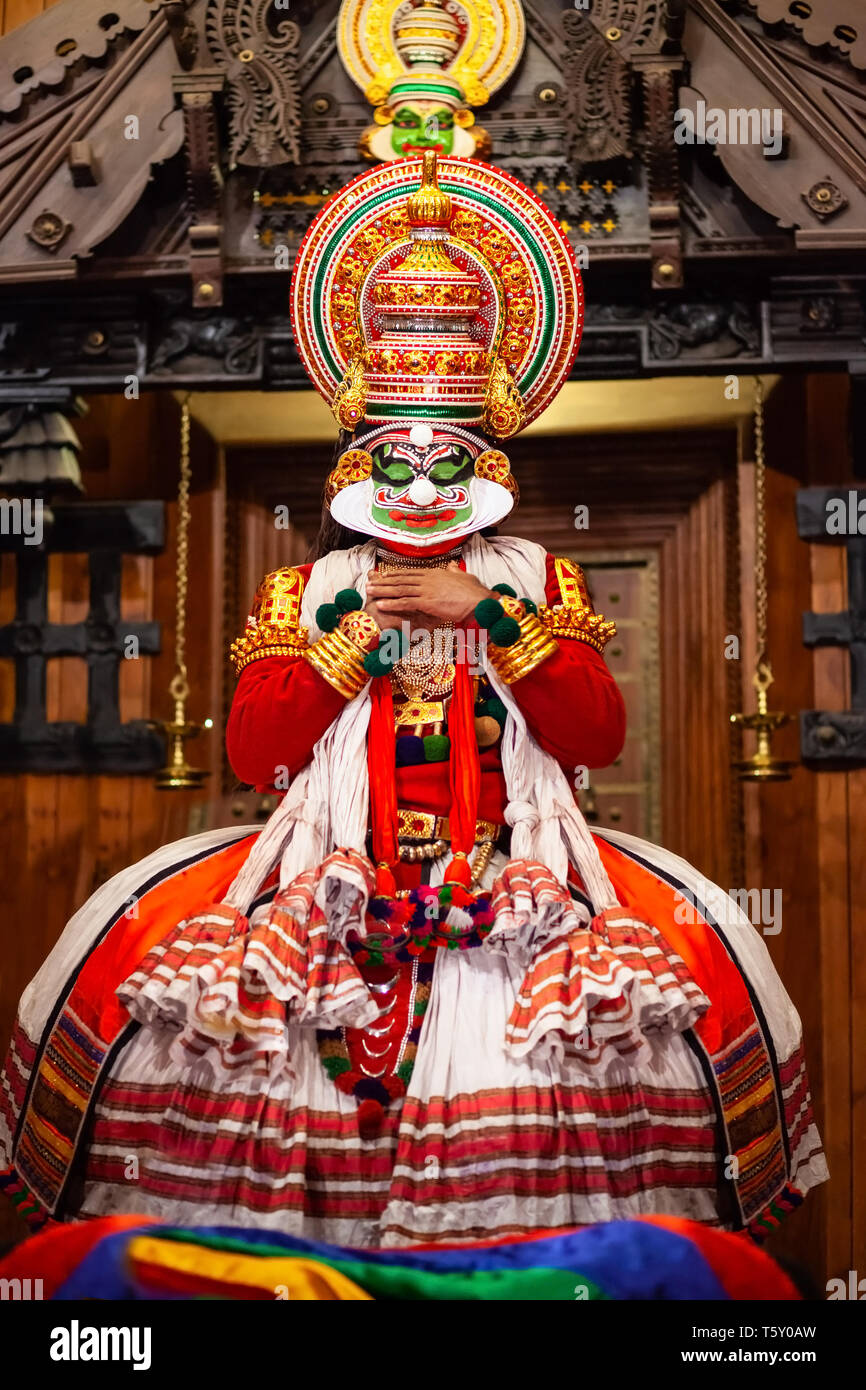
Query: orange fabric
{"points": [[639, 889], [180, 895]]}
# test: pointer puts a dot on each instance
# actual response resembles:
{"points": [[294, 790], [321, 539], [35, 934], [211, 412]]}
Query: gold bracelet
{"points": [[534, 646], [339, 661], [267, 639]]}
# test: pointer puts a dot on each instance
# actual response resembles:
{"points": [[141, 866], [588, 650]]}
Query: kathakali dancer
{"points": [[424, 1002]]}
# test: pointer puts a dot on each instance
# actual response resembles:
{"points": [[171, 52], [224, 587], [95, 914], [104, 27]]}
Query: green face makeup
{"points": [[415, 129], [448, 468]]}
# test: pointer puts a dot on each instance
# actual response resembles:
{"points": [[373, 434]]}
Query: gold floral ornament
{"points": [[495, 467], [274, 625], [350, 397], [504, 411], [355, 466]]}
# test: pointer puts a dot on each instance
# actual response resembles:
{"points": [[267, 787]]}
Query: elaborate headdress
{"points": [[423, 65], [441, 302]]}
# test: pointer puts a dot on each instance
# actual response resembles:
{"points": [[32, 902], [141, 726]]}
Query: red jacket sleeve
{"points": [[280, 710], [572, 705], [571, 702]]}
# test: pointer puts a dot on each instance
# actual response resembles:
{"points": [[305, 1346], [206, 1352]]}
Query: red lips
{"points": [[423, 519], [409, 150]]}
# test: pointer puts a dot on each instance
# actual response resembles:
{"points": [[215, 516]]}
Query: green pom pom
{"points": [[529, 606], [436, 747], [446, 893], [488, 612], [374, 665], [496, 710], [335, 1066], [505, 589], [348, 600], [404, 1071], [327, 616], [506, 632]]}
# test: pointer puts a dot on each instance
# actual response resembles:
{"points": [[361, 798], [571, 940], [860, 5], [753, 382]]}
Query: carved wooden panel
{"points": [[261, 62]]}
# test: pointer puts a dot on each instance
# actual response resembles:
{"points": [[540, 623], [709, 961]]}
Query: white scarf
{"points": [[327, 804]]}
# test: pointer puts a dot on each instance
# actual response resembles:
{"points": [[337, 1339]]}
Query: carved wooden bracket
{"points": [[184, 34], [604, 46], [196, 92], [662, 164]]}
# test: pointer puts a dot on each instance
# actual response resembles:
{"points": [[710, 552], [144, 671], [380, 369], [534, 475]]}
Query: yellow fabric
{"points": [[291, 1278]]}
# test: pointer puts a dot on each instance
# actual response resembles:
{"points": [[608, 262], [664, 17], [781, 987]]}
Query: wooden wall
{"points": [[14, 13], [61, 836]]}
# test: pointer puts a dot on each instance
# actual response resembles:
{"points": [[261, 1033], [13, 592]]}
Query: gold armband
{"points": [[580, 624], [340, 662], [267, 639], [534, 645]]}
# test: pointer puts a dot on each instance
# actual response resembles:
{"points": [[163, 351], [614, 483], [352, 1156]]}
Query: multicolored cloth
{"points": [[651, 1258]]}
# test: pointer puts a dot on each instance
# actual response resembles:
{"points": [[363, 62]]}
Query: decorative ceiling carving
{"points": [[817, 185], [39, 57], [633, 26], [261, 63], [252, 98], [839, 24], [597, 82]]}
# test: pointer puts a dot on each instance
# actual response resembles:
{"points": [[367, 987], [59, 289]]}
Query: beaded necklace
{"points": [[426, 671]]}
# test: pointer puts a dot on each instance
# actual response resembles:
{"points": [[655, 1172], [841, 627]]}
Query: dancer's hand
{"points": [[448, 594]]}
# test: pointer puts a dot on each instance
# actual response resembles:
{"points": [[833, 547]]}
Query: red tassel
{"points": [[459, 871], [382, 772], [465, 772], [386, 885]]}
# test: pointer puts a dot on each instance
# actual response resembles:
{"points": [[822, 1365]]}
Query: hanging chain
{"points": [[763, 669], [179, 688]]}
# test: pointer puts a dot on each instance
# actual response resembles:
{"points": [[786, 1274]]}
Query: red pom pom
{"points": [[400, 915], [346, 1081], [371, 1118], [394, 1086]]}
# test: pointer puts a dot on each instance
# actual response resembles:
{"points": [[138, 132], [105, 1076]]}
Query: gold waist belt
{"points": [[424, 825]]}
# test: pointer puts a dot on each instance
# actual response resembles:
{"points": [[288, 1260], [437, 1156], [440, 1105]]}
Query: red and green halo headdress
{"points": [[436, 293]]}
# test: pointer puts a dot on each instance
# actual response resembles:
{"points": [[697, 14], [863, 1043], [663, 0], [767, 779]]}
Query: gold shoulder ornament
{"points": [[274, 625], [574, 617]]}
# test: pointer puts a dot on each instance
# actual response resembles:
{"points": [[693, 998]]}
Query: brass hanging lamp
{"points": [[762, 766], [177, 775]]}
